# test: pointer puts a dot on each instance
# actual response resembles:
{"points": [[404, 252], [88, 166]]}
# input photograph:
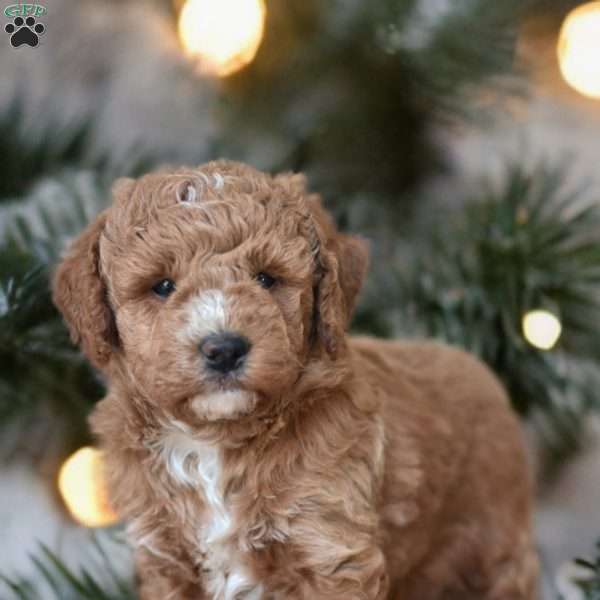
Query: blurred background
{"points": [[462, 137]]}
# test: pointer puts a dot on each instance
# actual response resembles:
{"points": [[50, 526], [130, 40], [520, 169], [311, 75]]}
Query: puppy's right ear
{"points": [[79, 293]]}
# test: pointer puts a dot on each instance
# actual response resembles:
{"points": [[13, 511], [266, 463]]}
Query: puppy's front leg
{"points": [[362, 577], [337, 571], [161, 579]]}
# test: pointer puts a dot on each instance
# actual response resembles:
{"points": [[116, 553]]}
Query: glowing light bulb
{"points": [[223, 35], [541, 329], [579, 49], [81, 487]]}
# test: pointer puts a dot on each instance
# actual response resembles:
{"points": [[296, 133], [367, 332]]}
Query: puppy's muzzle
{"points": [[224, 352]]}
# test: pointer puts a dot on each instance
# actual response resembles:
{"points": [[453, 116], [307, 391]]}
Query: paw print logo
{"points": [[24, 31]]}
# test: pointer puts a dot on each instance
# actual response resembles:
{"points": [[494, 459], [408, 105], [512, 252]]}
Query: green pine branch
{"points": [[359, 87], [46, 387], [29, 152], [528, 244], [581, 578], [34, 149], [51, 575], [590, 584]]}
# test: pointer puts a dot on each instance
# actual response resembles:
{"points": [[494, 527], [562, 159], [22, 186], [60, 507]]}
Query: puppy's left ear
{"points": [[344, 260], [353, 260]]}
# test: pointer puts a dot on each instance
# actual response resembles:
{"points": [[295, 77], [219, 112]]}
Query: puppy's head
{"points": [[209, 290]]}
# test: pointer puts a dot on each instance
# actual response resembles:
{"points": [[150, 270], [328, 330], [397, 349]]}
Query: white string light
{"points": [[579, 49], [222, 35], [81, 486], [541, 329]]}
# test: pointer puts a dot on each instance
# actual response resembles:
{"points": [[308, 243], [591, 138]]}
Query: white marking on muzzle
{"points": [[207, 313]]}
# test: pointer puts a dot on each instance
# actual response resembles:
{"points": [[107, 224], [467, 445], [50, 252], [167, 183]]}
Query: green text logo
{"points": [[25, 10]]}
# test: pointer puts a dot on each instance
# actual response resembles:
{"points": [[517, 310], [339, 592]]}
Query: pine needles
{"points": [[590, 584], [46, 387], [53, 578], [527, 245]]}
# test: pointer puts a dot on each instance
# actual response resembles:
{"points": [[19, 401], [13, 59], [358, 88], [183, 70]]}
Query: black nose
{"points": [[224, 352]]}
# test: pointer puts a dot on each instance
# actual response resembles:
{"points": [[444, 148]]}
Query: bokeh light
{"points": [[579, 49], [541, 329], [223, 35], [81, 486]]}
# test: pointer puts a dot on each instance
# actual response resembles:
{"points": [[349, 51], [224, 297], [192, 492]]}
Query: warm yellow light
{"points": [[224, 35], [579, 49], [81, 486], [541, 329]]}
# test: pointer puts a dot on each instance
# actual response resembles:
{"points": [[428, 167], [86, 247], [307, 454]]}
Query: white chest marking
{"points": [[195, 463]]}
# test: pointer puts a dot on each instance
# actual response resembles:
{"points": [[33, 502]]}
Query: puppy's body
{"points": [[318, 466], [455, 498]]}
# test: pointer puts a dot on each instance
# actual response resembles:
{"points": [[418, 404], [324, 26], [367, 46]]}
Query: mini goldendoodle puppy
{"points": [[254, 449]]}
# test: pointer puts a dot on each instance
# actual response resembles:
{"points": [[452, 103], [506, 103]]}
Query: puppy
{"points": [[254, 449]]}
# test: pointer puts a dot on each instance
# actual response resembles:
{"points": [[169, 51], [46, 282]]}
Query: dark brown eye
{"points": [[164, 288], [265, 280]]}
